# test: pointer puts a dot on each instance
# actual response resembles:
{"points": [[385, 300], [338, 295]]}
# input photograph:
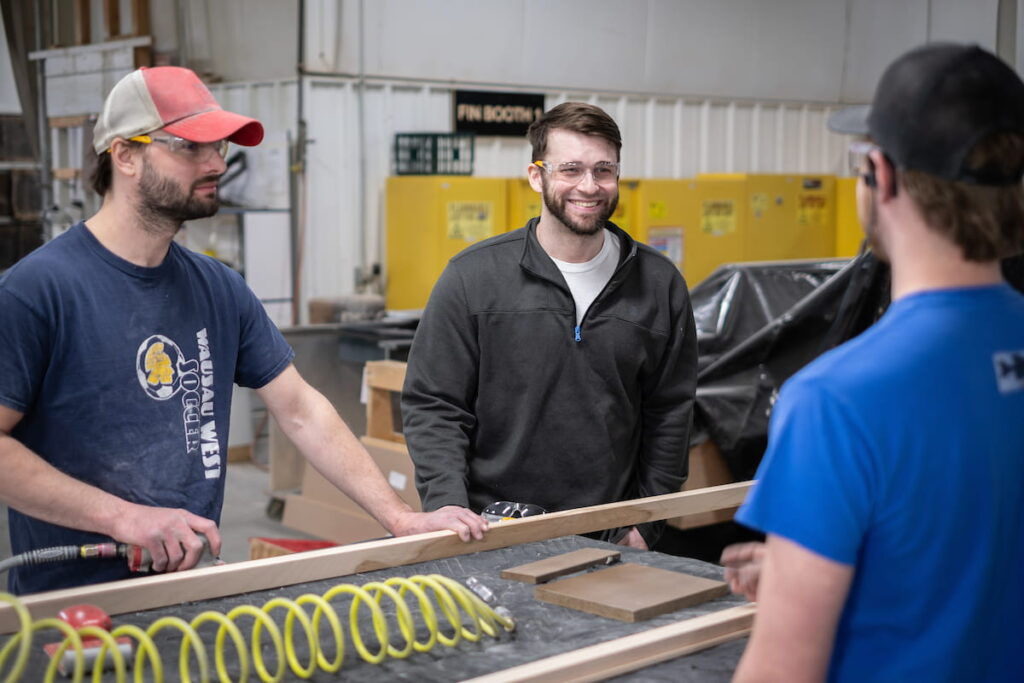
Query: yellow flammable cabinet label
{"points": [[718, 216], [470, 221]]}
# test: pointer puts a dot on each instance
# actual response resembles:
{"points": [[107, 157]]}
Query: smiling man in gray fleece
{"points": [[556, 364]]}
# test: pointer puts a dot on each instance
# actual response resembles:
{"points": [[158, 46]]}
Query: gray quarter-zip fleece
{"points": [[506, 399]]}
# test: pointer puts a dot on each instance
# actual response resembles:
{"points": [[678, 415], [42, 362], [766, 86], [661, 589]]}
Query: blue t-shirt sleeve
{"points": [[25, 344], [263, 353], [814, 485]]}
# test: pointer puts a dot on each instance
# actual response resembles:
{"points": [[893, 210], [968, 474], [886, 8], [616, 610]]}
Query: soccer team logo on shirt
{"points": [[162, 368], [164, 372]]}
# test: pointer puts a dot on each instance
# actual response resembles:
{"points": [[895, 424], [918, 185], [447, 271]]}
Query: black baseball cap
{"points": [[932, 106]]}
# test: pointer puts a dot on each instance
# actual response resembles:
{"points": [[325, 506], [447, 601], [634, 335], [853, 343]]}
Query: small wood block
{"points": [[630, 592], [560, 565]]}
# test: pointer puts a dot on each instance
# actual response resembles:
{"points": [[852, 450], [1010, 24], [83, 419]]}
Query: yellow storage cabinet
{"points": [[719, 235], [625, 215], [429, 220], [849, 234], [523, 203], [699, 224], [791, 217], [665, 210]]}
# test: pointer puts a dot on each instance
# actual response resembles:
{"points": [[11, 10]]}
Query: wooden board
{"points": [[631, 592], [549, 568], [629, 653], [133, 595]]}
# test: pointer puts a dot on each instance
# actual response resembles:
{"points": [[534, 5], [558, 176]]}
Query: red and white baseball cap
{"points": [[174, 99]]}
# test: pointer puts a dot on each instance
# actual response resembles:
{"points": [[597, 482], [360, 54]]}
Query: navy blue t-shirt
{"points": [[124, 376]]}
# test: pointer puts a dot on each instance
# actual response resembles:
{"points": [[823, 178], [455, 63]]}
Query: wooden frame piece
{"points": [[133, 595], [112, 18], [384, 378], [83, 25], [67, 121], [560, 565], [622, 655]]}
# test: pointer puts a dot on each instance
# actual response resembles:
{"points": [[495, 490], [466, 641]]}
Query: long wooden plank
{"points": [[132, 595], [560, 565], [622, 655]]}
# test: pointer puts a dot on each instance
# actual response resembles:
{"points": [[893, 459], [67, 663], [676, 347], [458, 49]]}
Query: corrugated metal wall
{"points": [[346, 168], [349, 154]]}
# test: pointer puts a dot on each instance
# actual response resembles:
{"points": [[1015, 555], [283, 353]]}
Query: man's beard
{"points": [[163, 202], [589, 226]]}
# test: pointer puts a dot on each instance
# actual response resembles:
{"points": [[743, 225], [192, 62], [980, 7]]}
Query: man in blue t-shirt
{"points": [[891, 492], [119, 350]]}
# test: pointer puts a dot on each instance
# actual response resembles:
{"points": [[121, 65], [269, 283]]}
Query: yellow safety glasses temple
{"points": [[196, 151]]}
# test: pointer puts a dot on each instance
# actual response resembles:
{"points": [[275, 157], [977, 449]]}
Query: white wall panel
{"points": [[805, 50], [332, 232], [265, 184], [663, 137], [466, 39], [9, 102], [697, 86], [349, 154], [880, 31], [592, 44], [745, 48], [966, 22]]}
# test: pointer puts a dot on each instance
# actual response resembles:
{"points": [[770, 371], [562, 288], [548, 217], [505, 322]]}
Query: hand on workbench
{"points": [[168, 534], [633, 539], [463, 521], [742, 563]]}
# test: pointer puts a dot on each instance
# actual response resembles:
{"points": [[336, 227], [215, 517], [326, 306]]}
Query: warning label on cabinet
{"points": [[470, 221], [718, 216], [810, 209], [669, 241]]}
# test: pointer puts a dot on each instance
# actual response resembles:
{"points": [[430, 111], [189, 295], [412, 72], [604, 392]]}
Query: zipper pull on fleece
{"points": [[578, 337]]}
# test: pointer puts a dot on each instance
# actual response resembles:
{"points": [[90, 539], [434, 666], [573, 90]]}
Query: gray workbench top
{"points": [[542, 629]]}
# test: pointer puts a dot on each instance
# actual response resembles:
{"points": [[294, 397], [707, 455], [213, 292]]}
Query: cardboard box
{"points": [[329, 522], [393, 460], [707, 468]]}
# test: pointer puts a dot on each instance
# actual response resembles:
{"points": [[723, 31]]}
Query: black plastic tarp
{"points": [[757, 324]]}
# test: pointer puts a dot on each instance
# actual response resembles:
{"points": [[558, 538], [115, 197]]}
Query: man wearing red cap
{"points": [[119, 350]]}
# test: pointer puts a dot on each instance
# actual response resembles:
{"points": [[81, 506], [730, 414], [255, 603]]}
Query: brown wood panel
{"points": [[83, 25], [140, 17], [384, 378], [380, 421], [67, 121], [549, 568], [112, 18], [630, 592], [385, 374]]}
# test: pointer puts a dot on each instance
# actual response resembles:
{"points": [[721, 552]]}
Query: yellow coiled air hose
{"points": [[449, 595]]}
